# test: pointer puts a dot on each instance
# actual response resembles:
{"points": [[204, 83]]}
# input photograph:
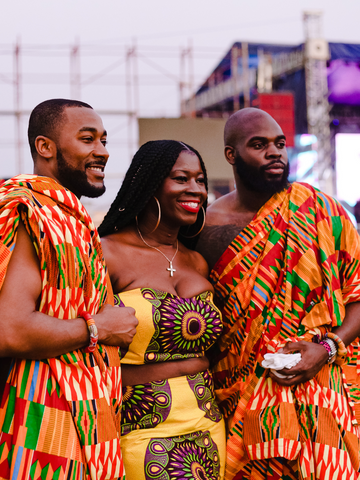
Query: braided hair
{"points": [[150, 166]]}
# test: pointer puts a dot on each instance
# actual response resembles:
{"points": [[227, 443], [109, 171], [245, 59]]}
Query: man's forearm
{"points": [[350, 328], [36, 335], [42, 336]]}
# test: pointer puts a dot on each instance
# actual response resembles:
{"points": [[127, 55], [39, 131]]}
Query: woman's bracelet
{"points": [[341, 349], [94, 335]]}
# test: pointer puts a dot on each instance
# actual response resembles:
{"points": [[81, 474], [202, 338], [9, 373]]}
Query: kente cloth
{"points": [[172, 429], [59, 417], [288, 277]]}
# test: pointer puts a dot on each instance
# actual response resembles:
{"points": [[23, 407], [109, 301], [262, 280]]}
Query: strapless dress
{"points": [[171, 429]]}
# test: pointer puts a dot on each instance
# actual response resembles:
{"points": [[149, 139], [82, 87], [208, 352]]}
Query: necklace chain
{"points": [[170, 269]]}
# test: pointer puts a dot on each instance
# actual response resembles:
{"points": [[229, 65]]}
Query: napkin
{"points": [[278, 361]]}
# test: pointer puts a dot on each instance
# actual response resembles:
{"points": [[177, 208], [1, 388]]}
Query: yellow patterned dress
{"points": [[171, 429]]}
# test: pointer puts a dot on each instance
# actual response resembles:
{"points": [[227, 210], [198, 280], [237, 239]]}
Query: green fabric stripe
{"points": [[11, 408], [25, 379], [57, 474], [61, 254], [337, 228], [44, 472], [33, 424], [33, 470]]}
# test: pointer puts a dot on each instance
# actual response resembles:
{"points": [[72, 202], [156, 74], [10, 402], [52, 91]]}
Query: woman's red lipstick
{"points": [[190, 206]]}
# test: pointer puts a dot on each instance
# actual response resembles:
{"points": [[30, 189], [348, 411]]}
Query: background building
{"points": [[312, 90], [204, 134]]}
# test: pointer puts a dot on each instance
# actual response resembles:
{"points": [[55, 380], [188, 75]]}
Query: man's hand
{"points": [[116, 325], [313, 358]]}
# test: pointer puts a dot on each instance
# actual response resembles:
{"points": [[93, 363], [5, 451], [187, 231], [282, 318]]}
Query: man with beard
{"points": [[61, 402], [285, 265]]}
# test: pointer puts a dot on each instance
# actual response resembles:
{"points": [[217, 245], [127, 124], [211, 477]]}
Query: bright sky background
{"points": [[213, 24]]}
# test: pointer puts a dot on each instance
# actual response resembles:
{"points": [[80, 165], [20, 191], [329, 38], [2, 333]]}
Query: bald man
{"points": [[285, 263]]}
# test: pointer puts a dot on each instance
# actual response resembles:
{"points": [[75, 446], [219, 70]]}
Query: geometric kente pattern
{"points": [[287, 277], [59, 417]]}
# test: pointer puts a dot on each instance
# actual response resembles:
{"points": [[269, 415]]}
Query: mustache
{"points": [[100, 161], [274, 162]]}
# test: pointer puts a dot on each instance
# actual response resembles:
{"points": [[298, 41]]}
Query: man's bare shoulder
{"points": [[224, 221], [214, 240], [222, 209]]}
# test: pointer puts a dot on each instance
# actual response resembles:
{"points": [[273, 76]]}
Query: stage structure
{"points": [[322, 78], [316, 54]]}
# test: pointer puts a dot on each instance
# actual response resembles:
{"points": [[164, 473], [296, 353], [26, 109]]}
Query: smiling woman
{"points": [[161, 204]]}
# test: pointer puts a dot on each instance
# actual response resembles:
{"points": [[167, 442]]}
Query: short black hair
{"points": [[46, 118], [150, 166]]}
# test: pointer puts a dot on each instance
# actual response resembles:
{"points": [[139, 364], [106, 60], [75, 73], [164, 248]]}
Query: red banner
{"points": [[281, 107]]}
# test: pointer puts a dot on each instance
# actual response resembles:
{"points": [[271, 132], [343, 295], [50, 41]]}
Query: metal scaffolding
{"points": [[316, 54], [130, 70]]}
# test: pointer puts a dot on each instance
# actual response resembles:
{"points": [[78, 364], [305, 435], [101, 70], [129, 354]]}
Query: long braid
{"points": [[151, 164]]}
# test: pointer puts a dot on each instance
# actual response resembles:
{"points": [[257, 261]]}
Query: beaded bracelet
{"points": [[331, 347], [93, 331], [341, 351]]}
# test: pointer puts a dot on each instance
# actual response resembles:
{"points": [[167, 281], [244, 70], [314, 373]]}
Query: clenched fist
{"points": [[116, 325]]}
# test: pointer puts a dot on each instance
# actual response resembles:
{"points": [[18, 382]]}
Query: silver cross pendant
{"points": [[171, 269]]}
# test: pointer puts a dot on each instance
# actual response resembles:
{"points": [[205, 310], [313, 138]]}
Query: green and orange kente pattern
{"points": [[288, 276], [59, 417]]}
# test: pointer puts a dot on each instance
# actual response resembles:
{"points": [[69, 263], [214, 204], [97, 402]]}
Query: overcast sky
{"points": [[214, 23]]}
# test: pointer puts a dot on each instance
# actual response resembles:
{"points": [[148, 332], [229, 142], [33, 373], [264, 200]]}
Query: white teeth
{"points": [[191, 204], [98, 169]]}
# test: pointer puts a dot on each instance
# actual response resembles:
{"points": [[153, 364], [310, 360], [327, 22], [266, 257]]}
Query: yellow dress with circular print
{"points": [[171, 429]]}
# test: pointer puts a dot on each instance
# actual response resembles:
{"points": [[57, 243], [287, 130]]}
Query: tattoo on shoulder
{"points": [[214, 240]]}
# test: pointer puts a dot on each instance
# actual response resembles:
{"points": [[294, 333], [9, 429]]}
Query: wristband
{"points": [[341, 349], [331, 348], [92, 330]]}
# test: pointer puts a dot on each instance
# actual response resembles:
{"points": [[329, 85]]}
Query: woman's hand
{"points": [[313, 358]]}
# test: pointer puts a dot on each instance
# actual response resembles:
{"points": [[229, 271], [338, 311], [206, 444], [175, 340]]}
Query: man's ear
{"points": [[45, 147], [230, 154]]}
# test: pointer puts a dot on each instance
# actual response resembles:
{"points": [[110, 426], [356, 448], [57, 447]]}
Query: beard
{"points": [[254, 178], [76, 180]]}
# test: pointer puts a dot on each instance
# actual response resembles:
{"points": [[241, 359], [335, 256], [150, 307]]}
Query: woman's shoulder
{"points": [[116, 240], [118, 245]]}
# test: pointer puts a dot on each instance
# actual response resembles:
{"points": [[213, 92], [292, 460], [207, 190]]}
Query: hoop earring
{"points": [[202, 226], [158, 219]]}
